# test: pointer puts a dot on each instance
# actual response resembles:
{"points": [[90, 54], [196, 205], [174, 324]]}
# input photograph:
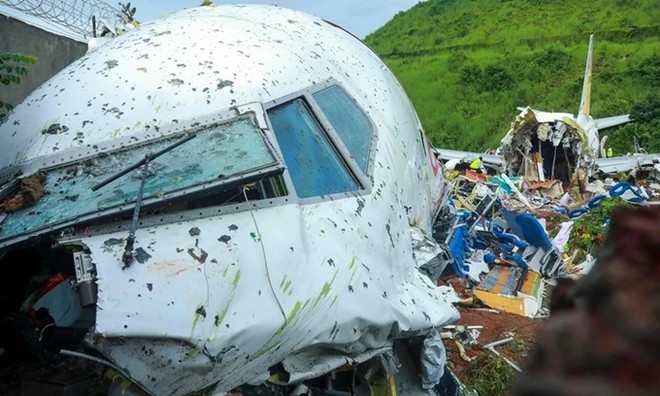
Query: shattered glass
{"points": [[217, 152], [348, 120]]}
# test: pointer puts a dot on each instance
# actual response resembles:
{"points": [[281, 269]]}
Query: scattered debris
{"points": [[491, 347], [507, 237], [512, 290], [30, 191], [515, 238]]}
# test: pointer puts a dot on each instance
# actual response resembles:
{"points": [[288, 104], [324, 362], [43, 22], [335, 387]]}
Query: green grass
{"points": [[467, 65], [490, 375]]}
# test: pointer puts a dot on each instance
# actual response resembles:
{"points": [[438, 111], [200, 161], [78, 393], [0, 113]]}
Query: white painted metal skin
{"points": [[269, 282]]}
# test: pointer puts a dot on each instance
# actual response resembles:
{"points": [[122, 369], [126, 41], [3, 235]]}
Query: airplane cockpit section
{"points": [[223, 191]]}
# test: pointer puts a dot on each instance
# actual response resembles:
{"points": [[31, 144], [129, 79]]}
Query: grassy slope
{"points": [[467, 64]]}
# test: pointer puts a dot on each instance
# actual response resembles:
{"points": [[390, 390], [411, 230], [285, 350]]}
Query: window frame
{"points": [[363, 179]]}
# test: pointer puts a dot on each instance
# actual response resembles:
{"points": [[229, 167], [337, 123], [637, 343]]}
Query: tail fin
{"points": [[585, 101]]}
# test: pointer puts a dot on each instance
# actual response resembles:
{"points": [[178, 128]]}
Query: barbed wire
{"points": [[75, 15]]}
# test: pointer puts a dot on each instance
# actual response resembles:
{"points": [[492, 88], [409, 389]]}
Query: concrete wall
{"points": [[54, 53]]}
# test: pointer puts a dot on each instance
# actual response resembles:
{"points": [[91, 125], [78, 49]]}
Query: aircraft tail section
{"points": [[585, 101]]}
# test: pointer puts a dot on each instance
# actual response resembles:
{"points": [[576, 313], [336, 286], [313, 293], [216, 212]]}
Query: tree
{"points": [[645, 128], [12, 68], [647, 109]]}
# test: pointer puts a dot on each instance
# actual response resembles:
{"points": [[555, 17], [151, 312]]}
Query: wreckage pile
{"points": [[514, 243]]}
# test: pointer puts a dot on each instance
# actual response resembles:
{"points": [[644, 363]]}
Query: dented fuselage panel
{"points": [[244, 254], [242, 309]]}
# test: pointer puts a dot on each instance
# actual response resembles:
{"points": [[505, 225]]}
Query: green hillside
{"points": [[467, 64]]}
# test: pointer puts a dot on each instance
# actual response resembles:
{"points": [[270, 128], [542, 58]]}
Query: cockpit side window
{"points": [[349, 122], [315, 166]]}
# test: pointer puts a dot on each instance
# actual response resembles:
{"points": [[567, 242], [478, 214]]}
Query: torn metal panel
{"points": [[317, 360], [433, 360], [430, 257], [545, 145], [553, 145]]}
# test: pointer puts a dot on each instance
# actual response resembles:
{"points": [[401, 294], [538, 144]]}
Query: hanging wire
{"points": [[263, 252], [75, 15]]}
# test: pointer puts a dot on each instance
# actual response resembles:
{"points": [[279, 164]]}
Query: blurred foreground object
{"points": [[609, 343]]}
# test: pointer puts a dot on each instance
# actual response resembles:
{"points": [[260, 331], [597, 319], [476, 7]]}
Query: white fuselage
{"points": [[227, 291]]}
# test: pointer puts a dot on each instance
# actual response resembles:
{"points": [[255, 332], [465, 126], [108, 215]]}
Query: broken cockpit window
{"points": [[220, 157]]}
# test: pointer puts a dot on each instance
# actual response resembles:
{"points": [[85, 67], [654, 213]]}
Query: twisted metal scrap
{"points": [[75, 15]]}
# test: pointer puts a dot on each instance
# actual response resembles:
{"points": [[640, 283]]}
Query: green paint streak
{"points": [[273, 343], [254, 236], [224, 273], [287, 285], [283, 281], [353, 269], [237, 277], [197, 317], [326, 287], [137, 125], [325, 290], [190, 354], [222, 315], [228, 363], [296, 308], [334, 300]]}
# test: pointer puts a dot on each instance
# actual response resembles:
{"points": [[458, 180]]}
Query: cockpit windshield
{"points": [[220, 154]]}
